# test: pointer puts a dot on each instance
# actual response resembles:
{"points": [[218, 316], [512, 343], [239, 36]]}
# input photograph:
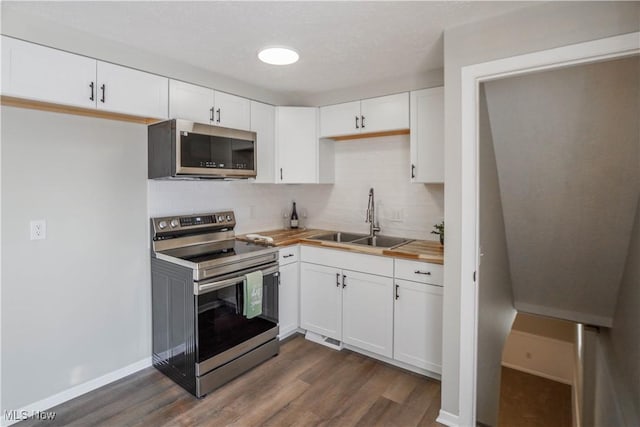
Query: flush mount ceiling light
{"points": [[278, 55]]}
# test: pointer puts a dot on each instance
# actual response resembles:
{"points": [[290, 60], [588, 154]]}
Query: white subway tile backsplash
{"points": [[381, 163]]}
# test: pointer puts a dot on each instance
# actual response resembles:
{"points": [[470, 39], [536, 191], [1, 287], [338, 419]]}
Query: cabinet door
{"points": [[385, 113], [340, 119], [263, 122], [427, 135], [297, 145], [128, 91], [190, 102], [232, 111], [40, 73], [418, 325], [368, 312], [289, 298], [321, 300]]}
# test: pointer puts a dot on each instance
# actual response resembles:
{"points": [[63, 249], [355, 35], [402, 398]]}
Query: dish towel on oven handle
{"points": [[252, 295]]}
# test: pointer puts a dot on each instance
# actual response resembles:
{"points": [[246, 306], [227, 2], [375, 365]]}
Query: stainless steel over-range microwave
{"points": [[183, 149]]}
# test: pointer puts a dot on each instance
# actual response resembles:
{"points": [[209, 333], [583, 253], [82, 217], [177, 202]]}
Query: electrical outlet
{"points": [[396, 215], [38, 229]]}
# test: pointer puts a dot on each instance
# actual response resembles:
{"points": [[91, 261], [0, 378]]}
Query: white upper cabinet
{"points": [[382, 114], [39, 73], [203, 105], [297, 145], [385, 113], [427, 136], [232, 111], [129, 91], [263, 120], [340, 119], [190, 102]]}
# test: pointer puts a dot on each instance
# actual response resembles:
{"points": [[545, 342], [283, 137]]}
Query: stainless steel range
{"points": [[199, 273]]}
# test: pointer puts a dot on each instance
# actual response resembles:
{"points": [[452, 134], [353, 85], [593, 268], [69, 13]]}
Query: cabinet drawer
{"points": [[418, 271], [289, 255], [372, 264]]}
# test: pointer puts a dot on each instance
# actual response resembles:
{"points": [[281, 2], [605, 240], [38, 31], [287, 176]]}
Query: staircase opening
{"points": [[539, 376]]}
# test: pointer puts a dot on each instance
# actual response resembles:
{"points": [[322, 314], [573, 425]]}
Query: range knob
{"points": [[175, 223], [162, 225], [228, 217], [221, 218]]}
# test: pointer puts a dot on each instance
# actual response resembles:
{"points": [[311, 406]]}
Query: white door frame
{"points": [[472, 76]]}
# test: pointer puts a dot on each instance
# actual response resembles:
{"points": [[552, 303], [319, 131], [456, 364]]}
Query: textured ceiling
{"points": [[341, 44]]}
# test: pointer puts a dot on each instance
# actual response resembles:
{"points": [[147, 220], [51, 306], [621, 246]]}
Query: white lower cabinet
{"points": [[367, 312], [288, 292], [321, 300], [382, 314], [417, 331], [349, 306]]}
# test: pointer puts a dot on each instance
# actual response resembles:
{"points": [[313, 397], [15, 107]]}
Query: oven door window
{"points": [[207, 151], [221, 325]]}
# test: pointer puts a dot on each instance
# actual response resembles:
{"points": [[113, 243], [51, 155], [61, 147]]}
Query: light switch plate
{"points": [[38, 229]]}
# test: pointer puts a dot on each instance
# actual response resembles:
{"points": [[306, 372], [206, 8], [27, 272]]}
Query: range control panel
{"points": [[215, 220]]}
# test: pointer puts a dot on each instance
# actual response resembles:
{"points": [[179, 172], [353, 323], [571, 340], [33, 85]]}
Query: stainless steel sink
{"points": [[386, 242], [339, 237]]}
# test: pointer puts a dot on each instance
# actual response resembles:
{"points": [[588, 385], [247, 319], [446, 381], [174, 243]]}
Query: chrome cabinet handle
{"points": [[413, 171], [362, 121], [426, 273], [357, 127], [219, 115], [287, 256], [103, 89], [92, 86], [338, 280], [211, 115], [344, 283], [280, 174], [397, 295]]}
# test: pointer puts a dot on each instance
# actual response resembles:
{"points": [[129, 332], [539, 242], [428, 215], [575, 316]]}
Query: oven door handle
{"points": [[199, 289]]}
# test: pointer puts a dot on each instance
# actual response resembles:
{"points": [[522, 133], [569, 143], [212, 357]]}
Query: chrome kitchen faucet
{"points": [[371, 215]]}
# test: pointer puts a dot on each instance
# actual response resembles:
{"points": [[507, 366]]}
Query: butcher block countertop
{"points": [[417, 250]]}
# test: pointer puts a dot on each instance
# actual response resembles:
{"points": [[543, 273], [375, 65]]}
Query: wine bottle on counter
{"points": [[294, 217]]}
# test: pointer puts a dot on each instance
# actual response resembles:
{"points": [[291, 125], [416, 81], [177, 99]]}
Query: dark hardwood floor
{"points": [[305, 385], [530, 401]]}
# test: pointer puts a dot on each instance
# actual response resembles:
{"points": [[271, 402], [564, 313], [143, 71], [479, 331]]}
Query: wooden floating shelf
{"points": [[370, 135], [10, 101]]}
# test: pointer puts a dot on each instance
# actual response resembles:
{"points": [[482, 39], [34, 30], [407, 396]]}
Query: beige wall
{"points": [[566, 145], [545, 327], [494, 280], [624, 335], [76, 305], [536, 28]]}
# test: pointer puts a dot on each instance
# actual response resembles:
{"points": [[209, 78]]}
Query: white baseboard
{"points": [[79, 390], [447, 418]]}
